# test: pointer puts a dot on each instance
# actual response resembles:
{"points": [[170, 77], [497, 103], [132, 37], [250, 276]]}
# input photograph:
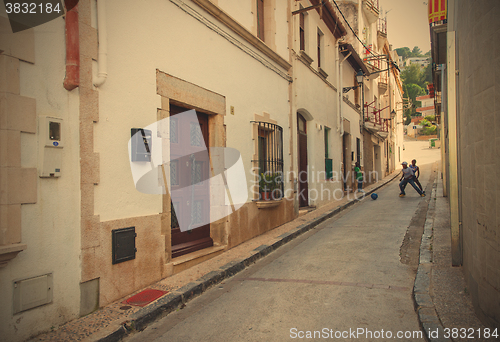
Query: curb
{"points": [[178, 298], [427, 316]]}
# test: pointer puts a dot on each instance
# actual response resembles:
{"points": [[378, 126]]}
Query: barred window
{"points": [[270, 159]]}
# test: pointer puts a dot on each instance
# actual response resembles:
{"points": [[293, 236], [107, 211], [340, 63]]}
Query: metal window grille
{"points": [[270, 155]]}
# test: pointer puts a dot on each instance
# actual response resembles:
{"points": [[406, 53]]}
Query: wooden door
{"points": [[302, 162], [189, 170], [346, 159]]}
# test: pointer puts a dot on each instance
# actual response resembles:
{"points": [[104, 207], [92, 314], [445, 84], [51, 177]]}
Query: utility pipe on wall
{"points": [[72, 78], [102, 54], [340, 93]]}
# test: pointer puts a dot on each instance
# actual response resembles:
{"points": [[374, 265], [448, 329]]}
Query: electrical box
{"points": [[51, 140], [123, 244], [32, 292], [141, 145]]}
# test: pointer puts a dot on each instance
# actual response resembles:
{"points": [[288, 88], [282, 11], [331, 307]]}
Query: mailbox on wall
{"points": [[140, 145], [51, 140]]}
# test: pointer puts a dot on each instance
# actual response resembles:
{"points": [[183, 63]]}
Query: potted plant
{"points": [[270, 186], [265, 186], [276, 186]]}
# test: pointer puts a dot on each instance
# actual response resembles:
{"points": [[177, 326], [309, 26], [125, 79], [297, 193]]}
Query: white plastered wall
{"points": [[51, 227], [128, 99], [317, 101]]}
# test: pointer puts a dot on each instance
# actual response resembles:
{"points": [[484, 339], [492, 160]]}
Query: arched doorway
{"points": [[302, 161]]}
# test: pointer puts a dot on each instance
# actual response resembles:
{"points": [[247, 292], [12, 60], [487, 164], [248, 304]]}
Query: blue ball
{"points": [[374, 196]]}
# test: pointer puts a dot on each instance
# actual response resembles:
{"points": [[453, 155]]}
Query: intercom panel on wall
{"points": [[51, 145]]}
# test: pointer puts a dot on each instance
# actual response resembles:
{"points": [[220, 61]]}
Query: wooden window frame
{"points": [[260, 19], [302, 31], [319, 42]]}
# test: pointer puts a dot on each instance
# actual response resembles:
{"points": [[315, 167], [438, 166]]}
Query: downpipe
{"points": [[72, 78], [102, 54]]}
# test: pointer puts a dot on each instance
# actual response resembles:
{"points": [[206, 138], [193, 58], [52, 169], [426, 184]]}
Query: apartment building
{"points": [[265, 78]]}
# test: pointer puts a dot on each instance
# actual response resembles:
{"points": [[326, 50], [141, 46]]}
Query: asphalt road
{"points": [[342, 280]]}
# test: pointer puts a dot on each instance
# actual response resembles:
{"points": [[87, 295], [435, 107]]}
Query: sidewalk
{"points": [[113, 322], [440, 292]]}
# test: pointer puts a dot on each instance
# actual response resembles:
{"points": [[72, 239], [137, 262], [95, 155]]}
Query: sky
{"points": [[407, 23]]}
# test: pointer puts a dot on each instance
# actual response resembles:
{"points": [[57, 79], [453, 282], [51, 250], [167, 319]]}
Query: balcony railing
{"points": [[371, 10], [375, 123], [382, 25], [373, 4], [383, 82]]}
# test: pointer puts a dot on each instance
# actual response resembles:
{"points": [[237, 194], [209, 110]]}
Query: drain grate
{"points": [[145, 297]]}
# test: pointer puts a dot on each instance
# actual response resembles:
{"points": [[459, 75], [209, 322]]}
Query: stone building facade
{"points": [[74, 89]]}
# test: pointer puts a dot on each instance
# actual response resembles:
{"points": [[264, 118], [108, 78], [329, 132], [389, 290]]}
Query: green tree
{"points": [[404, 52], [429, 130], [413, 74], [425, 123], [411, 91], [427, 73], [416, 52], [407, 118]]}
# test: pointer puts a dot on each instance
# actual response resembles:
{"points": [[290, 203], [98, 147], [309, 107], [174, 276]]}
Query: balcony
{"points": [[383, 134], [383, 83], [382, 31], [371, 10], [371, 126], [375, 66], [375, 124]]}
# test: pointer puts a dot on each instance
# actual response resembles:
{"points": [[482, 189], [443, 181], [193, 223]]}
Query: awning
{"points": [[331, 19], [354, 60]]}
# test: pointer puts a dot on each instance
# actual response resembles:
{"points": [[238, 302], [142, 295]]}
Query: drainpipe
{"points": [[102, 54], [340, 121], [456, 251], [72, 79], [339, 85]]}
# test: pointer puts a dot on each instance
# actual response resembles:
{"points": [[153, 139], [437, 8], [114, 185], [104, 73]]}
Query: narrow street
{"points": [[343, 276], [185, 170]]}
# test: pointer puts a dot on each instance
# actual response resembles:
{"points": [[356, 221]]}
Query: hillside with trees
{"points": [[415, 80]]}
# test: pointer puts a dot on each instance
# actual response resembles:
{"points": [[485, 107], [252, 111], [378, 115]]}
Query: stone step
{"points": [[189, 260]]}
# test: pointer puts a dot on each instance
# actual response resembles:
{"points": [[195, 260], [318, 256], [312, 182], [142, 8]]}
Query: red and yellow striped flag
{"points": [[437, 10]]}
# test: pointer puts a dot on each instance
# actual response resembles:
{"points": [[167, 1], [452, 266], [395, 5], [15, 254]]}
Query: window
{"points": [[302, 32], [260, 19], [319, 44], [270, 162], [328, 160]]}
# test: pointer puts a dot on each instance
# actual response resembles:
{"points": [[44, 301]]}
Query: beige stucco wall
{"points": [[201, 60], [50, 227], [128, 98], [316, 101], [479, 158]]}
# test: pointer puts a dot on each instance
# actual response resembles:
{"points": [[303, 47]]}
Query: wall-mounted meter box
{"points": [[51, 141], [141, 144]]}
